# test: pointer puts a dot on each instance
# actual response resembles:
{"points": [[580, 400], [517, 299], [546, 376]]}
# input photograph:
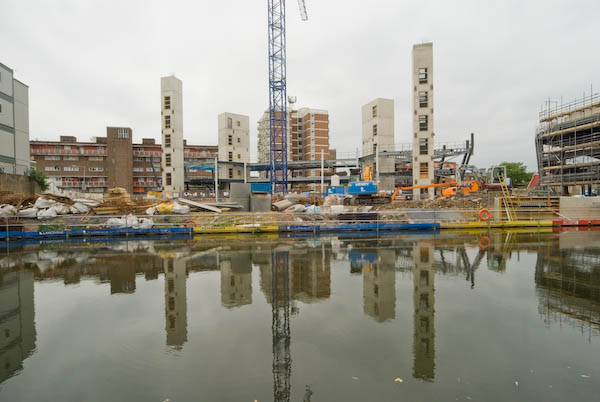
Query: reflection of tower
{"points": [[175, 302], [311, 275], [423, 298], [236, 280], [122, 278], [17, 325], [379, 286], [282, 360]]}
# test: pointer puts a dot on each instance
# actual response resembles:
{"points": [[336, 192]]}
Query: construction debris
{"points": [[199, 205]]}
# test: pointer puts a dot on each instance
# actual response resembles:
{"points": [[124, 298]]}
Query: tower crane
{"points": [[278, 170]]}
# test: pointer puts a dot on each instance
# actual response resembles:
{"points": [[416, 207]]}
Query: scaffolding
{"points": [[568, 146]]}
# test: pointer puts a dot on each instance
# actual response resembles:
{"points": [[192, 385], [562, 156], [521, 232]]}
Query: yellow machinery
{"points": [[448, 189]]}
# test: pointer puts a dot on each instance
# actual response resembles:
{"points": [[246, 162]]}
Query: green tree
{"points": [[39, 177], [517, 172]]}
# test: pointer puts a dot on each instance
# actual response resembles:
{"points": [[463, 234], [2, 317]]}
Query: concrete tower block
{"points": [[172, 134], [423, 120]]}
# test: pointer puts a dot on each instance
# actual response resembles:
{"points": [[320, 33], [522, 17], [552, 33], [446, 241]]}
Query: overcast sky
{"points": [[92, 64]]}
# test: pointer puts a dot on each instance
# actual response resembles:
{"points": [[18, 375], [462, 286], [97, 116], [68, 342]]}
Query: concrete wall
{"points": [[383, 117], [580, 207], [18, 184], [423, 59], [119, 157], [21, 111], [172, 88]]}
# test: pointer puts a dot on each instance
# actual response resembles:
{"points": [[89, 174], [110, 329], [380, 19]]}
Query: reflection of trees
{"points": [[568, 287]]}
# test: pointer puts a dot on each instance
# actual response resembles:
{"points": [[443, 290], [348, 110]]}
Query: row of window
{"points": [[230, 123], [230, 140], [239, 172], [72, 158], [141, 169], [122, 133], [230, 157], [72, 169]]}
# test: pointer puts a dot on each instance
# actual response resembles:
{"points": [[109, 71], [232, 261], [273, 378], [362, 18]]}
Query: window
{"points": [[239, 157], [52, 168], [374, 130], [138, 169], [167, 121], [424, 170], [96, 169], [95, 158], [122, 133], [168, 140], [168, 159], [168, 179], [423, 148], [423, 123], [71, 158], [374, 111], [230, 173], [229, 140], [423, 99], [71, 168], [230, 156], [167, 102], [149, 169], [238, 140], [423, 75], [52, 158], [374, 148], [229, 122], [238, 123]]}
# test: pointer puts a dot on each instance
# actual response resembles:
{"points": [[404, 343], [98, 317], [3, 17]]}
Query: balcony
{"points": [[147, 153], [38, 151]]}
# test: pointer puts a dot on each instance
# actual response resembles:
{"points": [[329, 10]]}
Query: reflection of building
{"points": [[379, 286], [17, 325], [122, 278], [310, 275], [175, 302], [568, 287], [423, 299], [236, 279]]}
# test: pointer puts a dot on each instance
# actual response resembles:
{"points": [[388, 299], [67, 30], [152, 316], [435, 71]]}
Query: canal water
{"points": [[500, 316]]}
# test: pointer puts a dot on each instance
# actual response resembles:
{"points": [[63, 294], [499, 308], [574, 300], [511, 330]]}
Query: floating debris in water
{"points": [[585, 376], [399, 380]]}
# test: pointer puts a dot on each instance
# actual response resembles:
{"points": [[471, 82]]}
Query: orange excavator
{"points": [[447, 189]]}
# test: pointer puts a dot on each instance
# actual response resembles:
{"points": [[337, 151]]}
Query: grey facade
{"points": [[14, 123]]}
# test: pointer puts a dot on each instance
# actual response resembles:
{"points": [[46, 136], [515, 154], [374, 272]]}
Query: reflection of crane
{"points": [[282, 359], [278, 93]]}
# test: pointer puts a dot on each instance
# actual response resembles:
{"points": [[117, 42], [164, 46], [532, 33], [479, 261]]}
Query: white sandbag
{"points": [[131, 221], [89, 203], [81, 208], [43, 203], [313, 209], [296, 208], [7, 210], [47, 213], [28, 212], [151, 211], [180, 209], [115, 223], [145, 223], [62, 209]]}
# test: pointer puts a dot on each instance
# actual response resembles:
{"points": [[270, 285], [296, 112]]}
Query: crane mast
{"points": [[278, 116]]}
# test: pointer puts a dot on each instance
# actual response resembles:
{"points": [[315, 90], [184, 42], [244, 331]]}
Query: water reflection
{"points": [[291, 273], [17, 322], [424, 305]]}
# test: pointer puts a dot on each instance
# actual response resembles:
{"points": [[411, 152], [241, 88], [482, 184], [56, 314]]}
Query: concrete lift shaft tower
{"points": [[278, 93]]}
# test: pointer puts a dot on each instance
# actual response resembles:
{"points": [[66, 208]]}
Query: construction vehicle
{"points": [[447, 189], [365, 193]]}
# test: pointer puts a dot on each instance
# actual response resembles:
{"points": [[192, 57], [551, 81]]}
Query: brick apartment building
{"points": [[111, 161], [308, 137]]}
